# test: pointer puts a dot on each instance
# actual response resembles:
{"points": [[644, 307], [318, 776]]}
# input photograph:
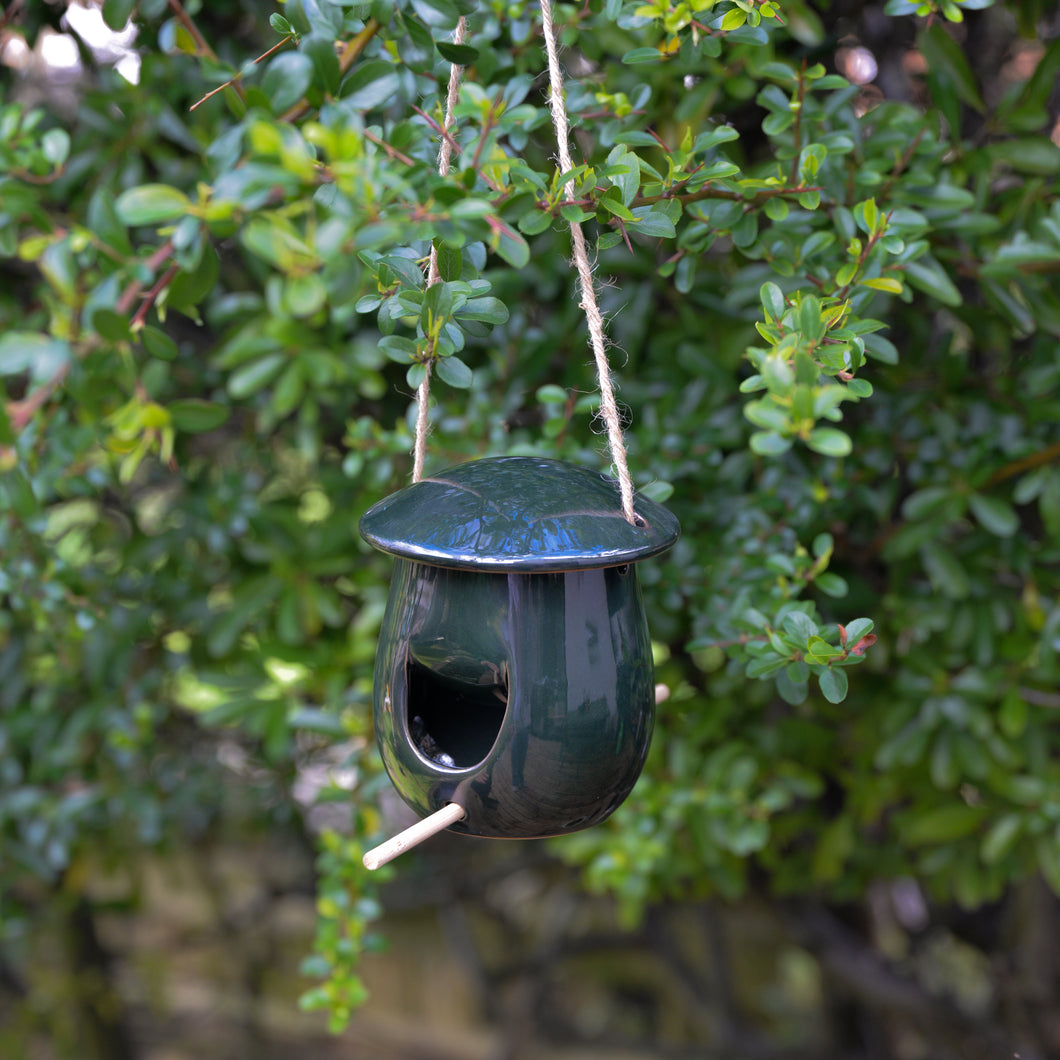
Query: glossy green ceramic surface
{"points": [[517, 513], [527, 698], [514, 672]]}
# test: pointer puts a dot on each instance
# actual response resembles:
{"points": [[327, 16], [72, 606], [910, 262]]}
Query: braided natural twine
{"points": [[593, 316]]}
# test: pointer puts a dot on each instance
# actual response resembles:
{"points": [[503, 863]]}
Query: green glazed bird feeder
{"points": [[514, 675]]}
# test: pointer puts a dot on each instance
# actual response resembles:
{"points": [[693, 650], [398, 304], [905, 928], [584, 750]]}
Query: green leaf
{"points": [[819, 650], [778, 374], [946, 572], [884, 283], [453, 371], [304, 294], [28, 351], [1028, 154], [831, 584], [370, 85], [398, 348], [459, 54], [1013, 715], [944, 55], [188, 289], [769, 443], [450, 261], [830, 442], [1001, 838], [800, 625], [551, 394], [439, 13], [151, 204], [860, 627], [158, 343], [289, 390], [734, 18], [513, 248], [657, 491], [640, 56], [55, 144], [255, 375], [614, 207], [720, 134], [772, 301], [487, 310], [924, 503], [768, 414], [287, 79], [535, 221], [104, 222], [995, 514], [116, 13], [942, 824], [928, 276], [635, 138], [275, 240], [20, 494], [810, 319], [195, 415], [436, 303], [881, 349], [114, 327], [833, 682], [766, 665], [650, 221], [320, 49]]}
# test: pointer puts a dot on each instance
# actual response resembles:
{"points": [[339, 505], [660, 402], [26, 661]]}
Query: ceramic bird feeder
{"points": [[514, 674]]}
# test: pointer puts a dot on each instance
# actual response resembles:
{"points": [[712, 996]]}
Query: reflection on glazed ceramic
{"points": [[526, 695]]}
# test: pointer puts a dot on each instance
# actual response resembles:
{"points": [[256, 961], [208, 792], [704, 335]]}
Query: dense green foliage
{"points": [[835, 320]]}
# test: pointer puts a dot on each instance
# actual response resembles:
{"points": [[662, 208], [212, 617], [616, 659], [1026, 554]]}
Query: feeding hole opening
{"points": [[455, 722]]}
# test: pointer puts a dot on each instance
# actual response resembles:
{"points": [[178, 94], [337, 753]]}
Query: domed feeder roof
{"points": [[517, 513]]}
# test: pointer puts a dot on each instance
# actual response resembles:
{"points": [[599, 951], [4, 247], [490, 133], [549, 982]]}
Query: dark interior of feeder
{"points": [[455, 722]]}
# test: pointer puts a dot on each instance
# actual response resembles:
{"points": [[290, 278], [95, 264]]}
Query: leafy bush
{"points": [[835, 318]]}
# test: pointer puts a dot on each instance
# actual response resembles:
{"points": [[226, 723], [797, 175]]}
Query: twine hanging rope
{"points": [[445, 154], [594, 318], [608, 405]]}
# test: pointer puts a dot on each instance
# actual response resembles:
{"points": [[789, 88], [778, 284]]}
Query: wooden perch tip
{"points": [[414, 835]]}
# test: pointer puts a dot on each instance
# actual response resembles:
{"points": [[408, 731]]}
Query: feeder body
{"points": [[526, 697]]}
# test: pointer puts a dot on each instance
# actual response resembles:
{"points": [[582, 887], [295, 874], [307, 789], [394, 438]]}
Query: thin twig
{"points": [[487, 128], [392, 152], [186, 22], [1027, 463], [156, 260], [31, 178], [152, 296], [1039, 698], [437, 128], [232, 80], [19, 413]]}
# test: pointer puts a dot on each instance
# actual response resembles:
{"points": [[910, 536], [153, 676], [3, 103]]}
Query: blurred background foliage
{"points": [[828, 243]]}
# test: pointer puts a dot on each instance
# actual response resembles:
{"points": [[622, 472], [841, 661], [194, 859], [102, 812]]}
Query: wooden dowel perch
{"points": [[414, 835]]}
